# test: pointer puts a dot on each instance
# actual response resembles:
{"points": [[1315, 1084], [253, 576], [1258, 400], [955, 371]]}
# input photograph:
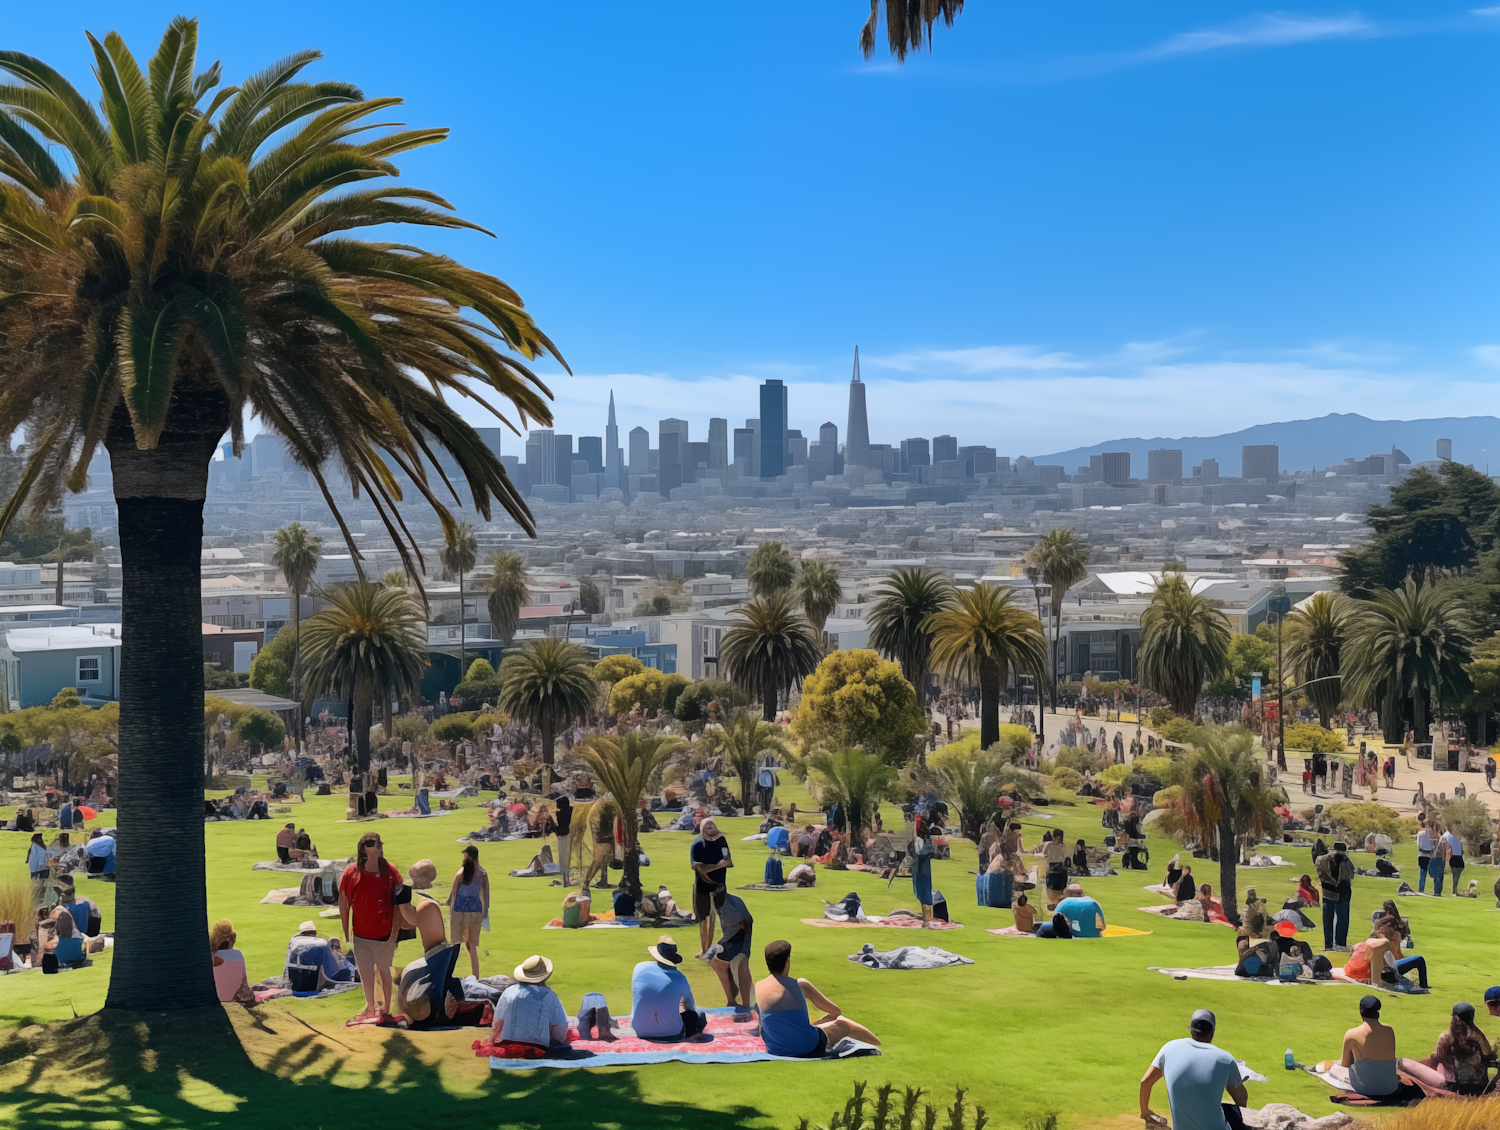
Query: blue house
{"points": [[37, 662]]}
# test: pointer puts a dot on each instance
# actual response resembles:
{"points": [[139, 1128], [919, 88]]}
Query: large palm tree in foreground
{"points": [[1316, 634], [770, 649], [1184, 643], [368, 645], [904, 602], [984, 636], [547, 684], [171, 265], [1062, 557], [507, 594], [296, 555], [624, 768], [1405, 647], [458, 554]]}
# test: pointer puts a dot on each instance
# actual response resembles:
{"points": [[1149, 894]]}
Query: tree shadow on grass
{"points": [[251, 1069]]}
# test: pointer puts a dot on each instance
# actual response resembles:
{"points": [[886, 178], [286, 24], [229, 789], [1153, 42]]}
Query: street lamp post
{"points": [[1280, 618], [1032, 575]]}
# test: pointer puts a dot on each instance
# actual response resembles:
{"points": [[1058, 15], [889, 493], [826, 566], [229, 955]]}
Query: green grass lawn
{"points": [[1031, 1026]]}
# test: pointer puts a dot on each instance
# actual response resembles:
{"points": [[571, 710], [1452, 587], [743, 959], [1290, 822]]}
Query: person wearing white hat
{"points": [[529, 1013]]}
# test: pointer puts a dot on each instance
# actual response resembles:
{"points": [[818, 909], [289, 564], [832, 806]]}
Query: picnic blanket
{"points": [[1417, 1082], [289, 896], [1171, 912], [731, 1037], [899, 921], [391, 816], [907, 957], [1261, 859], [297, 869], [608, 921], [1226, 973], [776, 887], [1109, 932], [527, 873], [273, 987]]}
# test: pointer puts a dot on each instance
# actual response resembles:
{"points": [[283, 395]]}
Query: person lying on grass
{"points": [[1197, 1075], [784, 1022]]}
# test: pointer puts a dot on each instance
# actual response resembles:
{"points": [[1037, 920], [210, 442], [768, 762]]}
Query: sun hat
{"points": [[534, 970], [1286, 929], [665, 951], [308, 927]]}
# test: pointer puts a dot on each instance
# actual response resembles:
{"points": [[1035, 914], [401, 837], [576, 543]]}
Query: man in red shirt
{"points": [[366, 891]]}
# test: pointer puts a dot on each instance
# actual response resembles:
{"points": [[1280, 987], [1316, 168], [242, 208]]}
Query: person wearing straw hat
{"points": [[529, 1013], [661, 1000]]}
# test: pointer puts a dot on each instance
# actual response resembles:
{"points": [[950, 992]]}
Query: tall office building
{"points": [[944, 449], [591, 451], [669, 461], [640, 451], [1207, 471], [612, 473], [562, 458], [1260, 461], [541, 464], [754, 426], [773, 453], [915, 453], [1444, 450], [977, 460], [744, 450], [718, 443], [823, 458], [1116, 467], [1164, 464], [857, 434]]}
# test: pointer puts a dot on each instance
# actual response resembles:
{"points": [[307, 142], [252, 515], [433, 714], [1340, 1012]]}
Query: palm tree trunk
{"points": [[768, 701], [1419, 716], [461, 672], [297, 657], [362, 719], [989, 703], [1391, 726], [630, 879], [1229, 858], [548, 740], [160, 856]]}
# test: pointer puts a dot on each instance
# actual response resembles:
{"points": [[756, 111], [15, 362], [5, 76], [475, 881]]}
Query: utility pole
{"points": [[1032, 574]]}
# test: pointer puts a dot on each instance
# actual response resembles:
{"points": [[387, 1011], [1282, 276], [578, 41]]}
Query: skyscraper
{"points": [[1164, 464], [1116, 467], [773, 453], [591, 451], [640, 451], [612, 447], [718, 443], [857, 435], [944, 449], [1260, 461]]}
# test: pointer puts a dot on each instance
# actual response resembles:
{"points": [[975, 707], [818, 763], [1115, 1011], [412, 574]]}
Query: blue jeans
{"points": [[1422, 866], [1435, 869], [1335, 923], [1417, 962]]}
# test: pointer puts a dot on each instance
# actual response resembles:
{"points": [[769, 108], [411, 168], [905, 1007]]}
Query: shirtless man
{"points": [[1370, 1053], [783, 1000], [425, 914]]}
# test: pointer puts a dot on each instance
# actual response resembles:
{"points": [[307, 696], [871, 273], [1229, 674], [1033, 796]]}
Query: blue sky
{"points": [[1070, 222]]}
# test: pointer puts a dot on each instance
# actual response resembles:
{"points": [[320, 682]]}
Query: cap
{"points": [[1286, 929], [1369, 1005], [1204, 1018], [1465, 1010], [1492, 994]]}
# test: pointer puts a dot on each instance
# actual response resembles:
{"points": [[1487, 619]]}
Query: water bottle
{"points": [[1291, 1060]]}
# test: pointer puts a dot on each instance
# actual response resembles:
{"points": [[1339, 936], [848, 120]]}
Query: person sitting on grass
{"points": [[1307, 891], [1085, 917], [1369, 1057], [529, 1017], [662, 1005], [286, 839], [1213, 909], [1025, 914], [1186, 889], [1197, 1075], [310, 961], [1463, 1053], [221, 939], [730, 955], [784, 1022]]}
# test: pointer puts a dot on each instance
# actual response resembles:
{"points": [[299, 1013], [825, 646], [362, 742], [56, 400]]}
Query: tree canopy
{"points": [[857, 699]]}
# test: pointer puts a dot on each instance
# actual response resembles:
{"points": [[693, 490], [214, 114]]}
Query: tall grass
{"points": [[18, 904], [910, 1113], [1448, 1114]]}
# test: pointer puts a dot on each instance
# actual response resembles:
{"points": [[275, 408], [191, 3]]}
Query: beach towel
{"points": [[1175, 913], [610, 922], [527, 873], [729, 1038], [1260, 859], [297, 869], [1109, 932], [907, 957], [273, 987], [1416, 1084], [899, 921], [772, 887], [1226, 973]]}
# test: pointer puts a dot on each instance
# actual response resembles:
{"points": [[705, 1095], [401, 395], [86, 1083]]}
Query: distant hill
{"points": [[1306, 444]]}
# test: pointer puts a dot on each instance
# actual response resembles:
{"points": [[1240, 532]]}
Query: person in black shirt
{"points": [[710, 858], [563, 821]]}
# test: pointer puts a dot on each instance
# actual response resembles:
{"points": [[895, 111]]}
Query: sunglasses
{"points": [[370, 843]]}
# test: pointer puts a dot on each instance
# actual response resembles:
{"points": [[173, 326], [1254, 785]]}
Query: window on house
{"points": [[88, 669]]}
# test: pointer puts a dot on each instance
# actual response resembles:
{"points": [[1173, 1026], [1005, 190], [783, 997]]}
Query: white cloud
{"points": [[985, 359], [1272, 29], [1486, 11], [1487, 354]]}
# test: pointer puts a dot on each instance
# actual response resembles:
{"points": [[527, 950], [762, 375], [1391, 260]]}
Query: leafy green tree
{"points": [[366, 646], [624, 768], [1221, 798], [982, 635], [1406, 647], [270, 670], [770, 649], [1314, 646], [1062, 557], [40, 539], [612, 668], [770, 569], [819, 591], [855, 698], [744, 741], [706, 701], [1313, 739], [297, 553], [857, 782], [547, 684], [480, 683], [507, 594], [898, 617], [1184, 644], [216, 678], [1484, 677], [459, 553], [589, 598], [262, 729], [453, 728]]}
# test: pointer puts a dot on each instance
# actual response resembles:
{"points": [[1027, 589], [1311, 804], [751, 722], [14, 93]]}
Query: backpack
{"points": [[851, 904], [774, 876], [624, 905], [939, 906]]}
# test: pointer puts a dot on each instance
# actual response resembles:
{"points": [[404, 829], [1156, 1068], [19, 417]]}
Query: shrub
{"points": [[1158, 767], [1313, 738], [672, 687], [965, 749], [1160, 716], [1362, 818], [1079, 758], [1174, 729], [453, 728], [857, 699], [1066, 778], [1014, 743], [1471, 820], [613, 668], [906, 1113], [698, 702], [1114, 776], [410, 727], [263, 728]]}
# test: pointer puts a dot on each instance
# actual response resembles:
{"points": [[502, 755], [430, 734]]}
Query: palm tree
{"points": [[1406, 647], [1184, 643], [189, 263], [1315, 636], [297, 552], [972, 788], [744, 740], [1062, 558], [547, 684], [458, 555], [770, 569], [624, 767], [770, 649], [857, 782], [907, 22], [1221, 798], [904, 602], [820, 592], [394, 579], [982, 635], [508, 594], [368, 642]]}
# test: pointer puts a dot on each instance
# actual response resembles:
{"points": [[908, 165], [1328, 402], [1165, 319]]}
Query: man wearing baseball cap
{"points": [[1492, 1000], [1197, 1075]]}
